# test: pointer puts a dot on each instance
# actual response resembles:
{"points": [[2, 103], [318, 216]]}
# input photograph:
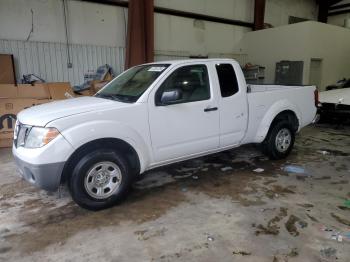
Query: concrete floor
{"points": [[209, 209]]}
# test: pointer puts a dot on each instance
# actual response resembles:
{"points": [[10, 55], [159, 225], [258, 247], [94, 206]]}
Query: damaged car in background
{"points": [[153, 115], [334, 103]]}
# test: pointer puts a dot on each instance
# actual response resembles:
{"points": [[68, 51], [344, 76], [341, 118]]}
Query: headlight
{"points": [[40, 136]]}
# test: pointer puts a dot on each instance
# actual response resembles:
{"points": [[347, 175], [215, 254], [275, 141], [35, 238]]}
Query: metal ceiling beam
{"points": [[340, 12], [336, 7], [119, 3], [179, 13], [333, 2], [208, 18], [325, 6]]}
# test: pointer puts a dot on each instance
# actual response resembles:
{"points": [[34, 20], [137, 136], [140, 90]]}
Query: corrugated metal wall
{"points": [[49, 60]]}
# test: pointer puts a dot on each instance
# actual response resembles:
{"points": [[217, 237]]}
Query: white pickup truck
{"points": [[153, 115]]}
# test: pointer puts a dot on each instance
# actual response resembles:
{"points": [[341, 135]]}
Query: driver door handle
{"points": [[208, 109]]}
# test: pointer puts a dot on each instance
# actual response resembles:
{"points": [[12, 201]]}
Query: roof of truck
{"points": [[194, 60]]}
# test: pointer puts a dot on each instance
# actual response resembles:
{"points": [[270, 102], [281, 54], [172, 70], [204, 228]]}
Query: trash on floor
{"points": [[226, 168], [258, 170], [329, 252], [337, 236], [323, 152], [210, 238], [347, 203], [294, 169], [241, 252], [291, 225], [340, 219], [346, 235]]}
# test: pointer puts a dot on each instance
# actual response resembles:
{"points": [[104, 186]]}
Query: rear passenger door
{"points": [[232, 103]]}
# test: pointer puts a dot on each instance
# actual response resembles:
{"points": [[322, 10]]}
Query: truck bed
{"points": [[264, 100], [264, 88]]}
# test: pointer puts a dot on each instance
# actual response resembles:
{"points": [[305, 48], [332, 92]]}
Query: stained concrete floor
{"points": [[209, 209]]}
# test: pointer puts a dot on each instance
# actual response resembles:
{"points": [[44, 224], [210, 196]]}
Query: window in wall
{"points": [[192, 81], [227, 79]]}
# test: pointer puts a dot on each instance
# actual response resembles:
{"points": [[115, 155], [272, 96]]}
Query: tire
{"points": [[100, 179], [279, 149]]}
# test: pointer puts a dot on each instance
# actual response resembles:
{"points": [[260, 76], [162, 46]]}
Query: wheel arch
{"points": [[288, 115], [277, 112], [104, 143]]}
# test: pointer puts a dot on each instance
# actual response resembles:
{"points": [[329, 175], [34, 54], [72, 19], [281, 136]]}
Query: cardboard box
{"points": [[37, 91], [7, 72], [8, 91], [88, 92], [6, 142], [58, 90], [97, 85], [13, 99], [9, 108]]}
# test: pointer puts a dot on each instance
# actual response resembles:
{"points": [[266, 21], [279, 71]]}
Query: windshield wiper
{"points": [[119, 98]]}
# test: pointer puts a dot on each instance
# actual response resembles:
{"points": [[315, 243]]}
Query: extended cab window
{"points": [[131, 84], [227, 79], [191, 82]]}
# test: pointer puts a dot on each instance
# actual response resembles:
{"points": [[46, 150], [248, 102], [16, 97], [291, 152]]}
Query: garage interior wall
{"points": [[96, 35], [338, 19], [277, 12], [97, 31], [301, 42]]}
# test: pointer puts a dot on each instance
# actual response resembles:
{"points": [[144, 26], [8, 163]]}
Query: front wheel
{"points": [[279, 140], [100, 179]]}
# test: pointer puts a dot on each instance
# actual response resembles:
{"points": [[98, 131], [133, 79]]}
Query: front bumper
{"points": [[43, 166], [338, 111], [45, 176]]}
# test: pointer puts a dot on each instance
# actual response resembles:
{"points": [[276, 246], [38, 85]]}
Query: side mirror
{"points": [[171, 97]]}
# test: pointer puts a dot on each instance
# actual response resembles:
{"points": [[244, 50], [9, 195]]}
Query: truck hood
{"points": [[41, 115], [336, 96]]}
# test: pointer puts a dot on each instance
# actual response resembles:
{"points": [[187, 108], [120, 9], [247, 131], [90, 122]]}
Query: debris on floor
{"points": [[241, 252], [171, 208], [226, 168], [291, 225], [294, 169], [210, 238], [347, 203], [272, 228], [329, 252], [323, 152], [341, 220], [258, 170]]}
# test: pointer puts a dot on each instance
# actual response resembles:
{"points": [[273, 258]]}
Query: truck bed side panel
{"points": [[265, 102]]}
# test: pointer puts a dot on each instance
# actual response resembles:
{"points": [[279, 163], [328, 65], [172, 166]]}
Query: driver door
{"points": [[190, 124]]}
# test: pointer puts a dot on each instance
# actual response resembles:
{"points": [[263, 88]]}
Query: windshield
{"points": [[130, 85]]}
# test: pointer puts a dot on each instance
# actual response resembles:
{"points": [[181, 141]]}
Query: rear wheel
{"points": [[279, 140], [100, 179]]}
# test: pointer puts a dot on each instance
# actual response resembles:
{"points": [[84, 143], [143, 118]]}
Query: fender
{"points": [[97, 129], [270, 115]]}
